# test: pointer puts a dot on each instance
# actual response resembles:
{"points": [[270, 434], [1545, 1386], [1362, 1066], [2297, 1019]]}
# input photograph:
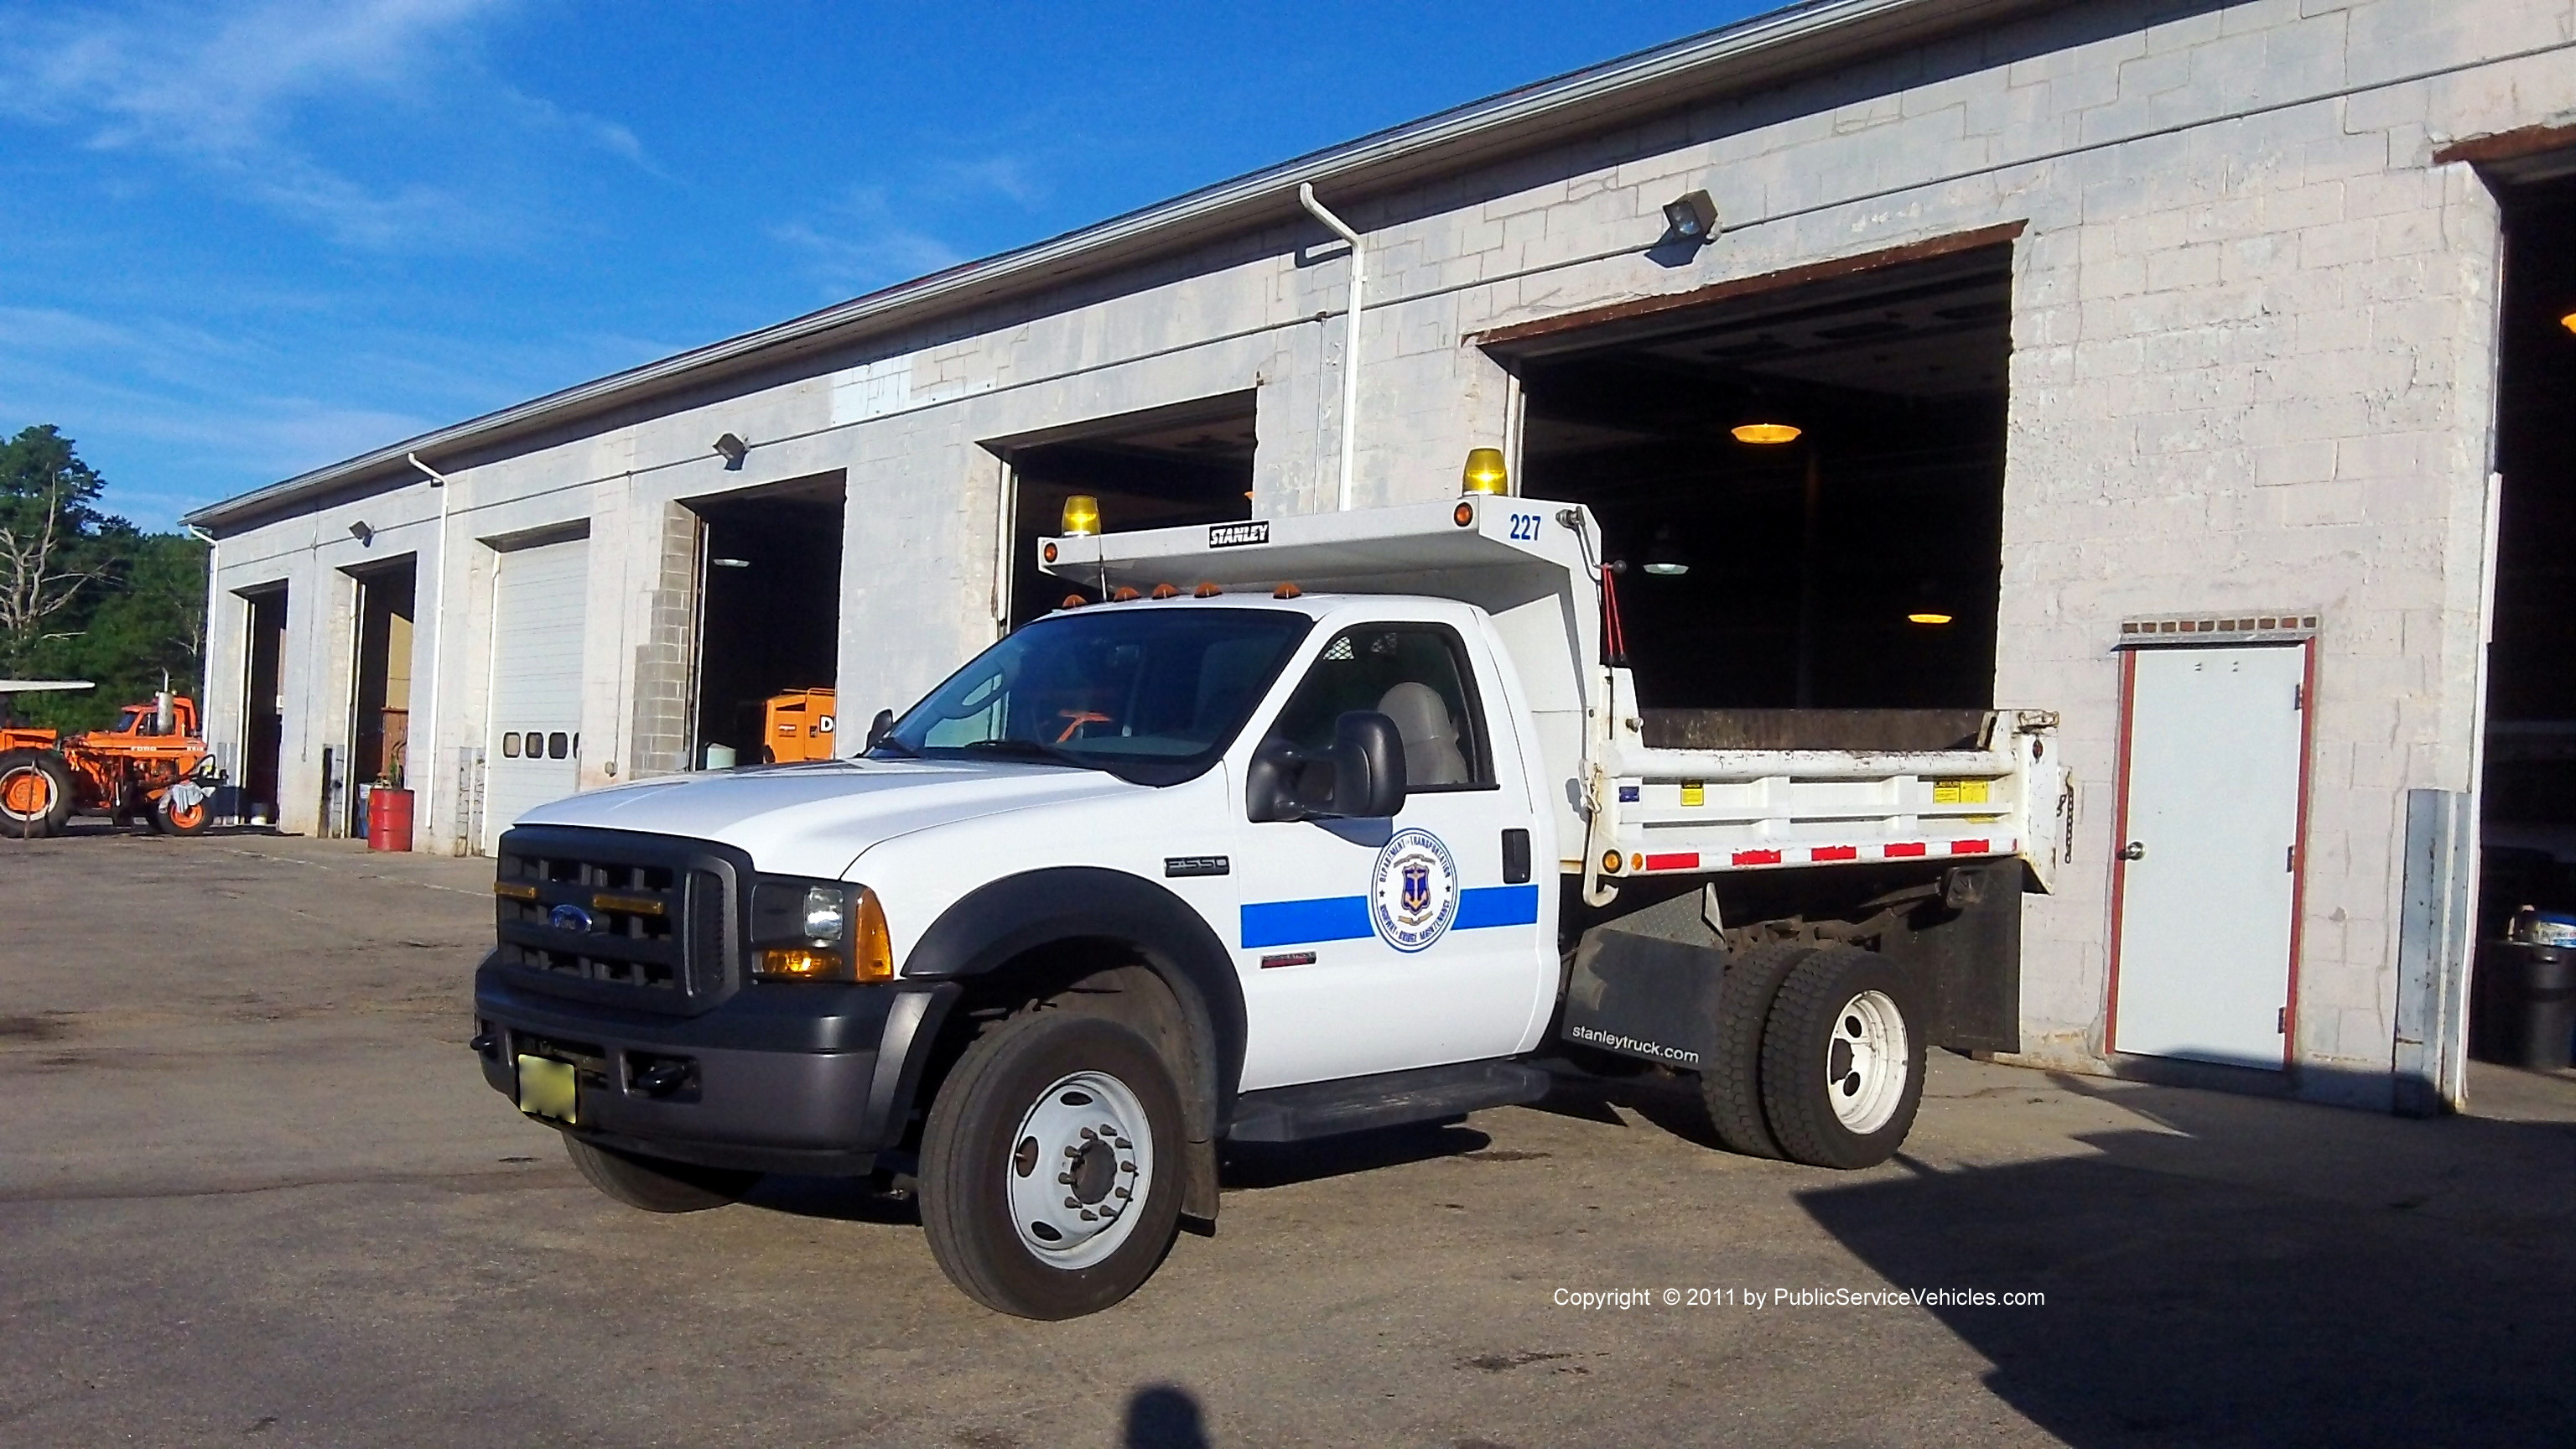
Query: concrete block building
{"points": [[2131, 344]]}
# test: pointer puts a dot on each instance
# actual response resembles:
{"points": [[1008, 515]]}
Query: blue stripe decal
{"points": [[1346, 918], [1293, 923], [1514, 905]]}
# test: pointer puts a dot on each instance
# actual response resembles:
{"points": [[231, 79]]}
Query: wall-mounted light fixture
{"points": [[363, 534], [1691, 219], [733, 449], [1485, 472], [729, 563], [1930, 611]]}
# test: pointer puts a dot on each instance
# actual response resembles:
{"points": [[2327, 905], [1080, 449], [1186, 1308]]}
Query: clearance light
{"points": [[1286, 591], [1124, 594], [1766, 432], [1206, 591], [1485, 472], [1081, 516], [1927, 618], [1611, 860], [1165, 591], [2568, 321]]}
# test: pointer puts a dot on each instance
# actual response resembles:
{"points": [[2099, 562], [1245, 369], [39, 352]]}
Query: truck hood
{"points": [[814, 819]]}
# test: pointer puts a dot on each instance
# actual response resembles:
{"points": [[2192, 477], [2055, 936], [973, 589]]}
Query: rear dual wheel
{"points": [[1819, 1056], [35, 793]]}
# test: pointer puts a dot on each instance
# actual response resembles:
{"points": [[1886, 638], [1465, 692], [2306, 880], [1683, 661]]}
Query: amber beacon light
{"points": [[1081, 516], [1485, 472]]}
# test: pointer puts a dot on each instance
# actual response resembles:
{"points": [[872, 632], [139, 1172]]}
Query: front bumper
{"points": [[809, 1077]]}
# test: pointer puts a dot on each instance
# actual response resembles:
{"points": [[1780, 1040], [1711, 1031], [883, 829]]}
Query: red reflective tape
{"points": [[1686, 860], [1757, 857], [1909, 848], [1835, 852], [1969, 847]]}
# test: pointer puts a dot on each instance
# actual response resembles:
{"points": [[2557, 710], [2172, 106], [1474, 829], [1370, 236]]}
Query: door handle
{"points": [[2134, 850]]}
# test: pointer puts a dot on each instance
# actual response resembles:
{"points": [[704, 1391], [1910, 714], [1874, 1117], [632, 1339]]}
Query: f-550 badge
{"points": [[1414, 894]]}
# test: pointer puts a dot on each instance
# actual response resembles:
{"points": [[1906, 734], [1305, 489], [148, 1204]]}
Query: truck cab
{"points": [[1273, 832]]}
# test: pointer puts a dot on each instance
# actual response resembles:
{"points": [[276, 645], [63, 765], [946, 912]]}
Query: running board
{"points": [[1389, 1099]]}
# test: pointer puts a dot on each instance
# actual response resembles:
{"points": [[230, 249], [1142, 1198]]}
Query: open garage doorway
{"points": [[380, 699], [1190, 463], [263, 701], [2529, 791], [1804, 478], [769, 619]]}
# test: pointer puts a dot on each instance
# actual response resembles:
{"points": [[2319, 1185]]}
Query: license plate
{"points": [[546, 1089]]}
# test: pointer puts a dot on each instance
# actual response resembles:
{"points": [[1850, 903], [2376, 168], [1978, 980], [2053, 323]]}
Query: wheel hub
{"points": [[1866, 1062], [1078, 1167]]}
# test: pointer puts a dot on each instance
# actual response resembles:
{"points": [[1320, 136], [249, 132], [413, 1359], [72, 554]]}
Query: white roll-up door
{"points": [[534, 745]]}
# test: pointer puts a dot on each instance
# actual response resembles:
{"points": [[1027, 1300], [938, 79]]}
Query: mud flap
{"points": [[1643, 997]]}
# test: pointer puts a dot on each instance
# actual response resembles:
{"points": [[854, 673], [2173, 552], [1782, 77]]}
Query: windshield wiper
{"points": [[895, 746], [1030, 750]]}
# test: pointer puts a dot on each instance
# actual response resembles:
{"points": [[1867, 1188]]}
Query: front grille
{"points": [[643, 921]]}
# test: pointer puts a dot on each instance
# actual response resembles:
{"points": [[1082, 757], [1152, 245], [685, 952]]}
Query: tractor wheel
{"points": [[172, 818], [35, 793]]}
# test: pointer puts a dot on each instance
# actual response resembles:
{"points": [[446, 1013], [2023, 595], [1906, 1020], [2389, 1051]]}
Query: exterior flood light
{"points": [[1691, 218], [733, 448], [1081, 516], [1485, 472], [363, 534], [1664, 557]]}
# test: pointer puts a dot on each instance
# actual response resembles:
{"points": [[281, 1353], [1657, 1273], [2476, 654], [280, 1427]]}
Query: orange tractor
{"points": [[151, 765]]}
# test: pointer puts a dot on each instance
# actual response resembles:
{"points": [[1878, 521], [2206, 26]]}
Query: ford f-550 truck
{"points": [[1277, 830]]}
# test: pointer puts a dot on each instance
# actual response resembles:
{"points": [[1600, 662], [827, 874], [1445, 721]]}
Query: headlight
{"points": [[818, 931]]}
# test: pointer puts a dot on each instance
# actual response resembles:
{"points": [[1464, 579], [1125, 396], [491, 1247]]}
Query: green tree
{"points": [[86, 595]]}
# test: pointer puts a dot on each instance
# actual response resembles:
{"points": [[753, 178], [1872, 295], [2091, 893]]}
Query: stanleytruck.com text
{"points": [[1624, 1299]]}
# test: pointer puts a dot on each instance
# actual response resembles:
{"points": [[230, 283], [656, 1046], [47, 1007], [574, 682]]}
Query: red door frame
{"points": [[2298, 848]]}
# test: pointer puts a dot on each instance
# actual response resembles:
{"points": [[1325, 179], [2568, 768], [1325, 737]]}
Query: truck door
{"points": [[1375, 945]]}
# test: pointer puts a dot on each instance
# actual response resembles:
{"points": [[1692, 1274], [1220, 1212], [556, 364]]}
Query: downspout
{"points": [[437, 613], [1350, 337], [206, 634]]}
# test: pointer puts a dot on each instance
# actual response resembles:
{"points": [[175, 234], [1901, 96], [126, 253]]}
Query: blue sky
{"points": [[239, 241]]}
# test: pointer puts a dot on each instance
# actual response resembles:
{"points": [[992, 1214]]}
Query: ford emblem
{"points": [[569, 917]]}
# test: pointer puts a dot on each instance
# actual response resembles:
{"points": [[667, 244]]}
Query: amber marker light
{"points": [[631, 905], [800, 963], [2568, 321], [871, 943], [514, 890], [1928, 619]]}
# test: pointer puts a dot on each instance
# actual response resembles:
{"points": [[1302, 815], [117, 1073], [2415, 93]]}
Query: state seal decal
{"points": [[1414, 895]]}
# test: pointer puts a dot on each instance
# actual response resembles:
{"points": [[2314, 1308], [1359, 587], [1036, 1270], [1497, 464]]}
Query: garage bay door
{"points": [[534, 744]]}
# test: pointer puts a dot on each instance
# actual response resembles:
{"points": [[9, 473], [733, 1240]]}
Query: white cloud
{"points": [[224, 90], [861, 246]]}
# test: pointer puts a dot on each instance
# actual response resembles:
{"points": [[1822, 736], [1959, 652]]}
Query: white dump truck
{"points": [[1277, 830]]}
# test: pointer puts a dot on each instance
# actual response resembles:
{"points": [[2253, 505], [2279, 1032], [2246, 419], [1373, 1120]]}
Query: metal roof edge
{"points": [[1173, 220]]}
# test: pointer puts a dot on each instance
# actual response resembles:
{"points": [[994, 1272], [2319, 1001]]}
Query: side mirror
{"points": [[880, 727], [1361, 777]]}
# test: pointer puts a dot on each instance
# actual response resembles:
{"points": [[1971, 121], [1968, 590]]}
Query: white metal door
{"points": [[2208, 868], [534, 745]]}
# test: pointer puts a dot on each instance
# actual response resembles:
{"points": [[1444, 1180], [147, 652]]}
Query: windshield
{"points": [[1150, 696]]}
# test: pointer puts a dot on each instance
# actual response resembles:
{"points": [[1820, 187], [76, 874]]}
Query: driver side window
{"points": [[1416, 675]]}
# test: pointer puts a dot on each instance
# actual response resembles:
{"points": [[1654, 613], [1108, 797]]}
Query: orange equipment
{"points": [[797, 726], [152, 764]]}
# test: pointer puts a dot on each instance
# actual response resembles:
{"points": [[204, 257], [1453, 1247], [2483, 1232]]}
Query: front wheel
{"points": [[1842, 1060], [172, 817], [1050, 1166], [655, 1184]]}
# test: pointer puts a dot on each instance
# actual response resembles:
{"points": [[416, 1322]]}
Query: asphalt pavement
{"points": [[252, 1188]]}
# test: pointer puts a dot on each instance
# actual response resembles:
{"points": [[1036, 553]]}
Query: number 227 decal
{"points": [[1524, 527]]}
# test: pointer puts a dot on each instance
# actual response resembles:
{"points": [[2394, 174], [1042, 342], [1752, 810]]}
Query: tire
{"points": [[654, 1184], [1020, 1120], [35, 793], [171, 818], [1730, 1081], [1842, 1060]]}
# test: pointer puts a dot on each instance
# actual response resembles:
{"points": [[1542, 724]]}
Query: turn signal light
{"points": [[802, 963], [872, 943]]}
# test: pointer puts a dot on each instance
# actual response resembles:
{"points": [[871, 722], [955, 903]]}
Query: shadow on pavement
{"points": [[2266, 1277], [1162, 1416], [1257, 1165]]}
